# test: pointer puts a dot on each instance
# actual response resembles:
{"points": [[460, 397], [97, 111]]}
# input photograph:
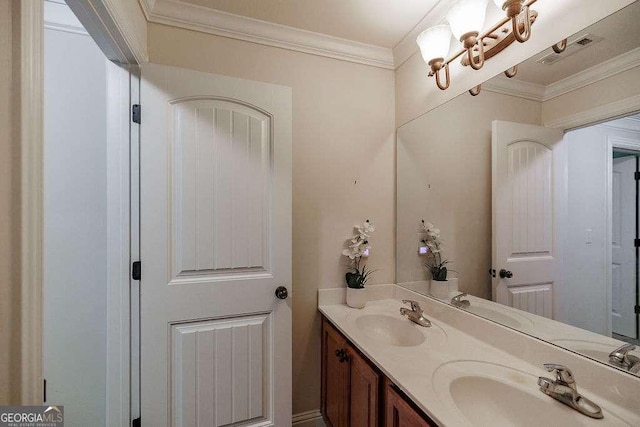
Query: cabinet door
{"points": [[335, 377], [398, 413], [364, 393]]}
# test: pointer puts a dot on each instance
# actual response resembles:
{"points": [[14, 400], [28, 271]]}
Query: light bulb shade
{"points": [[434, 42], [467, 15]]}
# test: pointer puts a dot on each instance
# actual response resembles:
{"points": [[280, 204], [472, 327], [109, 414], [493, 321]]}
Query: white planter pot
{"points": [[356, 298], [444, 289]]}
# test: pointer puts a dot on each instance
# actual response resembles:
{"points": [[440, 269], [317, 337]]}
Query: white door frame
{"points": [[592, 117], [99, 18], [612, 143]]}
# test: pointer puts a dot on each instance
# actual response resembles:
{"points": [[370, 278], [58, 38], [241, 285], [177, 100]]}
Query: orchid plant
{"points": [[435, 264], [358, 248]]}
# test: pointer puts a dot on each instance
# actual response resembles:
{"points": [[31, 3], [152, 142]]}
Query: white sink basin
{"points": [[393, 331], [487, 394]]}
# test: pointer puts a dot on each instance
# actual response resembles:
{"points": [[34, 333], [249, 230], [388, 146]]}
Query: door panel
{"points": [[220, 370], [525, 188], [221, 188], [215, 244]]}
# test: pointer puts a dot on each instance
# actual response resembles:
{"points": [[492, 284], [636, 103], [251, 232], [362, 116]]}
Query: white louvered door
{"points": [[215, 244], [525, 186]]}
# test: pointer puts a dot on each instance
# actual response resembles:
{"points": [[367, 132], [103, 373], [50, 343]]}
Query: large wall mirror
{"points": [[532, 186]]}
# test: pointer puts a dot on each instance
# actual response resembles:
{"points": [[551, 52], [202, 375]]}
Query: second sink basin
{"points": [[488, 394], [398, 332]]}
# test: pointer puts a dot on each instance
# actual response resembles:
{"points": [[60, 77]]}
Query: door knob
{"points": [[505, 274], [281, 292]]}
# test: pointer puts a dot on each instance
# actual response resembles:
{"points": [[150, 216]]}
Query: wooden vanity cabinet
{"points": [[355, 393], [350, 386], [399, 412]]}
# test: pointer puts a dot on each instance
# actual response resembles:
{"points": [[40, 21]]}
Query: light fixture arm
{"points": [[560, 46], [522, 35], [511, 72], [470, 40], [437, 65]]}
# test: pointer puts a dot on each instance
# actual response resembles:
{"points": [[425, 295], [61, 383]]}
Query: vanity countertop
{"points": [[468, 368]]}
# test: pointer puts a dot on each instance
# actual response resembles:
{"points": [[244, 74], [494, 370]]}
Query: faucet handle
{"points": [[563, 374], [620, 354], [415, 306]]}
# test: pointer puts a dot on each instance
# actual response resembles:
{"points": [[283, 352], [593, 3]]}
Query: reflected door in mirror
{"points": [[525, 215]]}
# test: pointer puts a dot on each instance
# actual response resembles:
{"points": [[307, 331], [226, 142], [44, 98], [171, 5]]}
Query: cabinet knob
{"points": [[342, 355]]}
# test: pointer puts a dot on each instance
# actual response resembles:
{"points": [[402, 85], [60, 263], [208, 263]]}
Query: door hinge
{"points": [[636, 243], [136, 422], [637, 309], [636, 175], [44, 390], [136, 270], [136, 113]]}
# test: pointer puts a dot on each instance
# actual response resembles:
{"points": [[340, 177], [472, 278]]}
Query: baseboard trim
{"points": [[308, 419]]}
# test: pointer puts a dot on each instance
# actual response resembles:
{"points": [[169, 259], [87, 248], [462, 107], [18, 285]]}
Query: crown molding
{"points": [[597, 114], [193, 17], [58, 16], [147, 7], [584, 78], [630, 123], [408, 46], [512, 87], [607, 69]]}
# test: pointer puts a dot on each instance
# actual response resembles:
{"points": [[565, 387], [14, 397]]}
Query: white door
{"points": [[525, 239], [215, 244], [623, 280]]}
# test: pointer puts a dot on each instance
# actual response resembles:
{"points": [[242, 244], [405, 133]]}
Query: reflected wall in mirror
{"points": [[536, 176]]}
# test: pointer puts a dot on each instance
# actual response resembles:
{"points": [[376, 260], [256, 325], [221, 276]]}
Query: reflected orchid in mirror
{"points": [[435, 264], [358, 247]]}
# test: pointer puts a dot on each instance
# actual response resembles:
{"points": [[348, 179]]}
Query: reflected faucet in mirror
{"points": [[620, 357], [457, 301]]}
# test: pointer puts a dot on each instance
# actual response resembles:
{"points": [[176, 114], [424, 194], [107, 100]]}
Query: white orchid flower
{"points": [[368, 227], [349, 253]]}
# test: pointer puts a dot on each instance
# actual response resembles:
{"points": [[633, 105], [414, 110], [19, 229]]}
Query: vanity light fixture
{"points": [[466, 19]]}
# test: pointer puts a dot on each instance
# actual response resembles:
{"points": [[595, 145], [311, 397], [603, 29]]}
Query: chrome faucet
{"points": [[621, 358], [457, 301], [564, 390], [415, 314]]}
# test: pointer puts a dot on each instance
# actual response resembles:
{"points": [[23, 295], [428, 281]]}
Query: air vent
{"points": [[576, 45]]}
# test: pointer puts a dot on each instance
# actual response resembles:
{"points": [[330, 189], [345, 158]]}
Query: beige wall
{"points": [[444, 176], [9, 211], [343, 166]]}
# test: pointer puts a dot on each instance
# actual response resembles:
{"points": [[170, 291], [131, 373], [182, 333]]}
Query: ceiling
{"points": [[377, 22], [620, 31]]}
